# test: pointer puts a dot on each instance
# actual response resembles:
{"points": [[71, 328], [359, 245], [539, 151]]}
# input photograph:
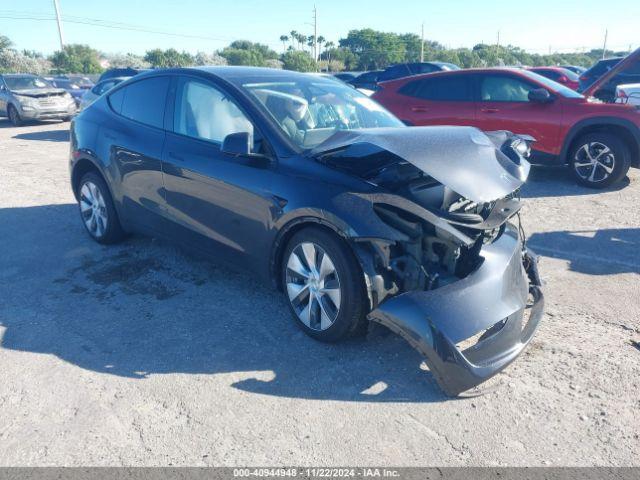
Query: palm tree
{"points": [[294, 36], [284, 39], [321, 40], [327, 48]]}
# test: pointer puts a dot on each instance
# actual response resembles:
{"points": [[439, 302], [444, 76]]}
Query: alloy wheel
{"points": [[313, 286], [594, 162], [93, 209]]}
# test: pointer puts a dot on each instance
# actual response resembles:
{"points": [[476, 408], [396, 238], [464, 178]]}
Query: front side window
{"points": [[143, 101], [310, 110], [501, 88], [202, 111]]}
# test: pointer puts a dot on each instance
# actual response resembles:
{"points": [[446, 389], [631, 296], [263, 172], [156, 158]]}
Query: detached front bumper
{"points": [[472, 329]]}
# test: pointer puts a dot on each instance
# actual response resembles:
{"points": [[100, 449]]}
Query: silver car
{"points": [[99, 88], [30, 97]]}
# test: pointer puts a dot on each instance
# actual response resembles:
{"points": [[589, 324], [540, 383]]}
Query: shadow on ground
{"points": [[559, 182], [595, 252], [5, 123], [45, 136], [145, 308]]}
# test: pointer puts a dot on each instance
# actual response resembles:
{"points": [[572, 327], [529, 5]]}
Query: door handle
{"points": [[419, 109], [175, 156], [489, 110]]}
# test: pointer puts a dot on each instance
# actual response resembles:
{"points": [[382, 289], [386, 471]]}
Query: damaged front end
{"points": [[457, 281]]}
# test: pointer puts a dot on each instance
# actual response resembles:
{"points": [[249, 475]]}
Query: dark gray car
{"points": [[305, 181], [30, 97]]}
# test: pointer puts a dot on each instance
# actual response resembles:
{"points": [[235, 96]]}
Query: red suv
{"points": [[598, 140], [560, 75]]}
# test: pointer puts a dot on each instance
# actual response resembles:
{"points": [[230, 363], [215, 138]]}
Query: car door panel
{"points": [[135, 145], [439, 100], [218, 203], [541, 121]]}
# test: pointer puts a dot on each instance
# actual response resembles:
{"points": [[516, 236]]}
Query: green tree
{"points": [[244, 52], [168, 58], [374, 49], [76, 58], [5, 42], [298, 61]]}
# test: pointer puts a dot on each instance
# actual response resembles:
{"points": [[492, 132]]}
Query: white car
{"points": [[629, 93], [99, 88]]}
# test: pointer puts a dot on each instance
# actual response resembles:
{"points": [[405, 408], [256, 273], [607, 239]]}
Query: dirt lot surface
{"points": [[139, 354]]}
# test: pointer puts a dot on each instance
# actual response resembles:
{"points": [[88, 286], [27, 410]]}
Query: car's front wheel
{"points": [[598, 160], [324, 285], [97, 211], [14, 116]]}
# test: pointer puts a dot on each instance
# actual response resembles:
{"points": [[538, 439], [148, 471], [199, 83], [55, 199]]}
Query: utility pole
{"points": [[315, 34], [498, 44], [422, 44], [55, 5], [604, 48]]}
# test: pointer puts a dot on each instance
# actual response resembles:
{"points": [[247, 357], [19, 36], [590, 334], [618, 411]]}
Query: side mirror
{"points": [[237, 144], [540, 95]]}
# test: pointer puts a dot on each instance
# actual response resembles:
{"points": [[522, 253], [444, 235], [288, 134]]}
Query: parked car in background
{"points": [[366, 80], [407, 69], [624, 72], [560, 75], [310, 184], [30, 97], [597, 140], [121, 72], [628, 94], [574, 68], [346, 76], [74, 87], [596, 71], [98, 89]]}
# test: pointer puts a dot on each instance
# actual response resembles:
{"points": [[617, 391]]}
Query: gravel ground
{"points": [[140, 354]]}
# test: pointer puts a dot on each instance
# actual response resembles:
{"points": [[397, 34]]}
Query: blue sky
{"points": [[536, 26]]}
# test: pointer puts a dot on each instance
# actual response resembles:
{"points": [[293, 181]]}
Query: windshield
{"points": [[555, 86], [310, 111], [23, 83]]}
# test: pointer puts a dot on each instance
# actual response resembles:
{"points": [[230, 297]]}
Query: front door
{"points": [[218, 202], [504, 105]]}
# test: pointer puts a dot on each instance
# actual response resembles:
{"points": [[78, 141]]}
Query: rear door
{"points": [[218, 203], [438, 100], [135, 144], [504, 105]]}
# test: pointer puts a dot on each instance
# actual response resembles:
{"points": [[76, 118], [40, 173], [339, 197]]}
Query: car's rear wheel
{"points": [[97, 211], [324, 285], [14, 116], [598, 160]]}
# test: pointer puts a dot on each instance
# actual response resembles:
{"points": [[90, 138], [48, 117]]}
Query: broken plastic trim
{"points": [[434, 321]]}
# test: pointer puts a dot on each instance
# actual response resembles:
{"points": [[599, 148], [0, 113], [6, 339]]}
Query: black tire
{"points": [[617, 158], [14, 116], [351, 313], [113, 232]]}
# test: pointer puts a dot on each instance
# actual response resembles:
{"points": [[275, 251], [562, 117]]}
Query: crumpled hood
{"points": [[38, 92], [462, 158]]}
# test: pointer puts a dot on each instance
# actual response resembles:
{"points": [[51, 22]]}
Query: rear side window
{"points": [[142, 101], [419, 68], [115, 99], [440, 89]]}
